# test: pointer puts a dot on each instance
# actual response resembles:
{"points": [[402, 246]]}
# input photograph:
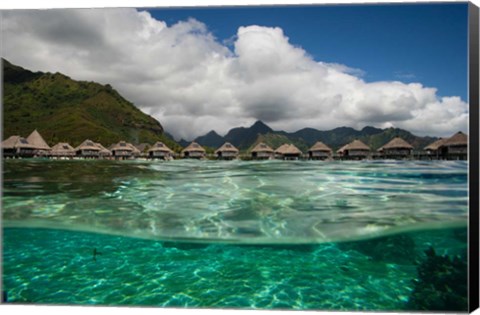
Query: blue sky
{"points": [[323, 66], [424, 43]]}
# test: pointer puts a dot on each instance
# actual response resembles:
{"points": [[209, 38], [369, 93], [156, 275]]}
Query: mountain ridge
{"points": [[67, 110], [246, 138]]}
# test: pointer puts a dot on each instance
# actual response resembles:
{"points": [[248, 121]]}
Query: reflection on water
{"points": [[236, 201]]}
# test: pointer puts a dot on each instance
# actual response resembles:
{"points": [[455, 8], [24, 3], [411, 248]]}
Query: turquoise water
{"points": [[270, 234]]}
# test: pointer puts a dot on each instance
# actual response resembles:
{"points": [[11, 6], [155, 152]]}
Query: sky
{"points": [[322, 66]]}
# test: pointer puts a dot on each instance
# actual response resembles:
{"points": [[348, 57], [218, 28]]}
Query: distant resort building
{"points": [[160, 151], [455, 147], [288, 152], [41, 147], [397, 148], [319, 151], [122, 150], [88, 149], [104, 152], [193, 151], [262, 151], [62, 150], [433, 150], [227, 152], [355, 150], [16, 146], [143, 147]]}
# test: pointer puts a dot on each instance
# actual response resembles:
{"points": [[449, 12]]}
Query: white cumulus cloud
{"points": [[192, 82]]}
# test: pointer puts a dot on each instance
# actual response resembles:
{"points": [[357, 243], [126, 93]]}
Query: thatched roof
{"points": [[320, 146], [193, 147], [87, 145], [288, 149], [160, 146], [63, 148], [227, 147], [103, 150], [37, 141], [342, 149], [142, 147], [262, 147], [356, 145], [122, 145], [435, 145], [16, 142], [457, 139], [396, 143]]}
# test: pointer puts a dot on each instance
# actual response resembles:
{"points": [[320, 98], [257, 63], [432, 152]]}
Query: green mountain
{"points": [[211, 139], [246, 138], [243, 138], [373, 137], [65, 110]]}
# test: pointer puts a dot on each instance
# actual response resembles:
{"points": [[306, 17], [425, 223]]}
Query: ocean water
{"points": [[235, 234]]}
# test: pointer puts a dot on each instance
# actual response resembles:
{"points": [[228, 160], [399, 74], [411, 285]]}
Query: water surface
{"points": [[236, 201]]}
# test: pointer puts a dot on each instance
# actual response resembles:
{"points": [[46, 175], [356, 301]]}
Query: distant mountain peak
{"points": [[211, 139], [261, 127], [212, 133]]}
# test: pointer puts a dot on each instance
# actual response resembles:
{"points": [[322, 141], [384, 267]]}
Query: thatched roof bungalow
{"points": [[41, 147], [88, 149], [16, 146], [227, 151], [319, 151], [104, 152], [397, 148], [433, 149], [456, 147], [143, 147], [288, 152], [193, 151], [262, 151], [160, 151], [62, 150], [355, 150], [123, 150]]}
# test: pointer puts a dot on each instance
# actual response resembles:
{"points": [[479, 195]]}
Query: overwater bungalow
{"points": [[288, 152], [136, 152], [41, 147], [355, 150], [193, 151], [397, 148], [433, 150], [143, 148], [88, 149], [455, 147], [262, 151], [160, 151], [227, 152], [62, 150], [104, 152], [16, 146], [123, 150], [319, 151]]}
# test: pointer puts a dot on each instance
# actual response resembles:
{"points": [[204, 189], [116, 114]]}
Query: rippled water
{"points": [[236, 201], [269, 235]]}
